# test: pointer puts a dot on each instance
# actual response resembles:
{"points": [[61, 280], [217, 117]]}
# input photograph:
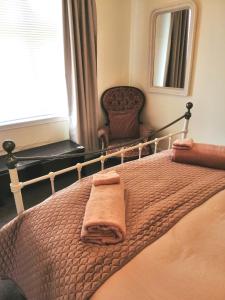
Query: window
{"points": [[32, 81]]}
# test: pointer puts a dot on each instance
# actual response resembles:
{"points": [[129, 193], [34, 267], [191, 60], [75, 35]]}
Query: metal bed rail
{"points": [[11, 159]]}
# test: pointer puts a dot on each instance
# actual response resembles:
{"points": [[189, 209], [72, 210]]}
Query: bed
{"points": [[174, 248]]}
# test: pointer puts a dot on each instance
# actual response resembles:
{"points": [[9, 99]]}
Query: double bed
{"points": [[174, 246], [188, 262]]}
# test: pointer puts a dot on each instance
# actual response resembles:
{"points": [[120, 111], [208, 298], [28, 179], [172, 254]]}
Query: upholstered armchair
{"points": [[122, 106]]}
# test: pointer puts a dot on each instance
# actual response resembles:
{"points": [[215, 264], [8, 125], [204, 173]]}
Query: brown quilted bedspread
{"points": [[41, 249]]}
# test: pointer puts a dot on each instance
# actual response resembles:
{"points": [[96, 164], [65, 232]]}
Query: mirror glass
{"points": [[171, 49]]}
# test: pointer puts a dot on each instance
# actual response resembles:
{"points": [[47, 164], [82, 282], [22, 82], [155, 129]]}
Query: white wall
{"points": [[208, 76], [113, 24], [35, 134], [123, 53], [113, 33]]}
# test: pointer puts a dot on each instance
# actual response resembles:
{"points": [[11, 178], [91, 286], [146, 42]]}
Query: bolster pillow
{"points": [[211, 156]]}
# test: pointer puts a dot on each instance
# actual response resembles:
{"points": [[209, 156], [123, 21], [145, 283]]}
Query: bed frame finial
{"points": [[187, 116], [189, 106], [15, 185], [11, 160]]}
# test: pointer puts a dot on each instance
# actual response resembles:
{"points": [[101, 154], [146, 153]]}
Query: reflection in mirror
{"points": [[172, 31]]}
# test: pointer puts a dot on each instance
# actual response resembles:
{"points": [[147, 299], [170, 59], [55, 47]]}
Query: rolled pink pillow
{"points": [[184, 144], [111, 177], [206, 155]]}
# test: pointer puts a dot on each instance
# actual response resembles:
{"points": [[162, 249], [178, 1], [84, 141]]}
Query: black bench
{"points": [[31, 169]]}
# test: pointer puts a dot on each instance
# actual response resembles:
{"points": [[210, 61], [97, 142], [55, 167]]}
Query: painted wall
{"points": [[113, 69], [208, 76], [123, 53], [35, 134], [113, 23]]}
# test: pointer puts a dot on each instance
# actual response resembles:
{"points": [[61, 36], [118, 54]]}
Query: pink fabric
{"points": [[104, 218], [128, 154], [111, 177], [123, 124], [41, 249], [145, 131], [184, 144], [212, 156]]}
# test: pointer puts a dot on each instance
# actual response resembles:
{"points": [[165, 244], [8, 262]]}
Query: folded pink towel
{"points": [[184, 144], [211, 156], [104, 219], [111, 177]]}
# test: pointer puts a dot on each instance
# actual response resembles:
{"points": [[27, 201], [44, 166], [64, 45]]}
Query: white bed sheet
{"points": [[187, 263]]}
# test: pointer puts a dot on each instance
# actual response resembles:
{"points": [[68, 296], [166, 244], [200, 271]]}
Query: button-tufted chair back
{"points": [[122, 98], [122, 106]]}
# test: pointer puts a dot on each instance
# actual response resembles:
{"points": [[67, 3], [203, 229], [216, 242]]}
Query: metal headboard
{"points": [[11, 159]]}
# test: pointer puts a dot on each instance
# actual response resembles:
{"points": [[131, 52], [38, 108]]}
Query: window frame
{"points": [[34, 121]]}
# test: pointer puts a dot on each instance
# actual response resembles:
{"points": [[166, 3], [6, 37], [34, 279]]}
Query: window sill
{"points": [[31, 122]]}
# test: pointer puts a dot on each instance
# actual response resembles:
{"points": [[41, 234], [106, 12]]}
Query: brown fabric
{"points": [[145, 131], [123, 124], [80, 47], [178, 49], [111, 177], [131, 154], [184, 144], [104, 218], [41, 249], [122, 106], [122, 98], [212, 156]]}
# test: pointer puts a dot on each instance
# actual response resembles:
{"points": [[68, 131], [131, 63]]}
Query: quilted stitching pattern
{"points": [[123, 98], [41, 249]]}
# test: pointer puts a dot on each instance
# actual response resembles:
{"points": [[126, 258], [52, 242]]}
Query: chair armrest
{"points": [[145, 131], [103, 136]]}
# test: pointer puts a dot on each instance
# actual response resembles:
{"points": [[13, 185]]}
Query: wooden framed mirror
{"points": [[172, 31]]}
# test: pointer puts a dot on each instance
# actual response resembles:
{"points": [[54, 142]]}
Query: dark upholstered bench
{"points": [[32, 169]]}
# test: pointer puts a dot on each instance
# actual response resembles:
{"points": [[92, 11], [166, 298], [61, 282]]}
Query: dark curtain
{"points": [[80, 47], [178, 49]]}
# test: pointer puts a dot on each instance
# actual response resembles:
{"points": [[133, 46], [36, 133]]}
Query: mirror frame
{"points": [[189, 4]]}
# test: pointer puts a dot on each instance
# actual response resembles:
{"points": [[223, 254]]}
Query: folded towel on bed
{"points": [[212, 156], [184, 144], [104, 219], [111, 177]]}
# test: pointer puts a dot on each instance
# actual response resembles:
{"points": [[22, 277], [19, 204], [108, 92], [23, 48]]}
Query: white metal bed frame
{"points": [[11, 160]]}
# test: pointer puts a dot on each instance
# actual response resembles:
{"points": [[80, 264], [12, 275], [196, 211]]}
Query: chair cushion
{"points": [[123, 124], [129, 154]]}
